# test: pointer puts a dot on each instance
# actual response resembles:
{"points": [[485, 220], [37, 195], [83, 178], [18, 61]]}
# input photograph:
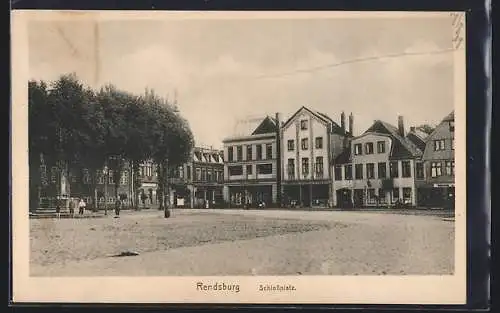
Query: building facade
{"points": [[251, 165], [310, 141], [199, 182], [377, 168], [438, 188]]}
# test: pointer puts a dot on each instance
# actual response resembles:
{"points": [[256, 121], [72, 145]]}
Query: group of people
{"points": [[82, 206]]}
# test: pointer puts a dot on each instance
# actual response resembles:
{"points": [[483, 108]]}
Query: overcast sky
{"points": [[224, 70]]}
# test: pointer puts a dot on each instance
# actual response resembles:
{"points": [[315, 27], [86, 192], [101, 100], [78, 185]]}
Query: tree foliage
{"points": [[82, 128], [426, 128]]}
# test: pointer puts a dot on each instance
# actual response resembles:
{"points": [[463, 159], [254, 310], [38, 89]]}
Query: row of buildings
{"points": [[310, 160], [306, 160]]}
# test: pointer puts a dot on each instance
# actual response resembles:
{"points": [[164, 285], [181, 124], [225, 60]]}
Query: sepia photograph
{"points": [[245, 155]]}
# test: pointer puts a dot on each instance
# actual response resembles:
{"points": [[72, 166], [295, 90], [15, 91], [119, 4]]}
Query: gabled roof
{"points": [[402, 147], [268, 125], [449, 117], [417, 140], [335, 128]]}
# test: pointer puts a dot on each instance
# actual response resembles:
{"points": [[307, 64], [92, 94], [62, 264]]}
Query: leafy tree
{"points": [[426, 128]]}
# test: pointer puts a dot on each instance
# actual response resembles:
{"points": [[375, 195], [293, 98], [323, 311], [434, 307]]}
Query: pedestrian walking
{"points": [[81, 207]]}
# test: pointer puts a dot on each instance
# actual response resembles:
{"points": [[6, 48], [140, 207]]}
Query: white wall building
{"points": [[377, 168], [310, 141]]}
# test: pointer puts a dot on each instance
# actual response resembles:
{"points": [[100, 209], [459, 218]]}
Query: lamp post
{"points": [[105, 172]]}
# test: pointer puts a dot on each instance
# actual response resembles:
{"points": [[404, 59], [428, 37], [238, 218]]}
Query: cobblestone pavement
{"points": [[249, 242]]}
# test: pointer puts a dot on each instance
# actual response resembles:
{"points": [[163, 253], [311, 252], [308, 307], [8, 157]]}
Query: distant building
{"points": [[377, 168], [198, 183], [438, 188], [250, 163], [310, 142]]}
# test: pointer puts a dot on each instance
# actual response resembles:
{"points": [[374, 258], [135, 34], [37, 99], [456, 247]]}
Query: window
{"points": [[86, 176], [188, 172], [419, 168], [198, 173], [393, 169], [395, 194], [304, 143], [125, 178], [380, 147], [449, 167], [100, 177], [369, 148], [203, 174], [265, 169], [249, 169], [348, 172], [358, 171], [235, 170], [381, 195], [357, 149], [73, 176], [371, 197], [269, 151], [209, 175], [319, 166], [303, 125], [249, 153], [259, 152], [230, 154], [181, 171], [436, 169], [53, 174], [439, 145], [407, 195], [319, 142], [338, 172], [406, 169], [111, 177], [370, 170], [452, 144], [291, 168], [305, 166], [291, 145], [382, 170], [239, 153]]}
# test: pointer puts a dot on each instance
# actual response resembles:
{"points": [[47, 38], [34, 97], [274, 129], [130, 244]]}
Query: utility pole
{"points": [[106, 177], [278, 160]]}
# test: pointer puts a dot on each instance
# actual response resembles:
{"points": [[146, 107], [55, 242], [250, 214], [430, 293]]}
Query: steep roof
{"points": [[402, 147], [418, 137], [268, 125], [251, 126], [449, 117], [335, 128]]}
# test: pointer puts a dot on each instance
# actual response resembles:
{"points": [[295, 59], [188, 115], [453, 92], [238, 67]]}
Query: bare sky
{"points": [[224, 70]]}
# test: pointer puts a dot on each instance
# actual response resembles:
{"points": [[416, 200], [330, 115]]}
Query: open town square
{"points": [[245, 242]]}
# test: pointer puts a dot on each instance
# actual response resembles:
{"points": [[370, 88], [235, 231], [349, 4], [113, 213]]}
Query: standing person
{"points": [[118, 205], [58, 210], [81, 207], [72, 207]]}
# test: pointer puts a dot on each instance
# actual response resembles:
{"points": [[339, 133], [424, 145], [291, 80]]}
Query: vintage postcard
{"points": [[238, 157]]}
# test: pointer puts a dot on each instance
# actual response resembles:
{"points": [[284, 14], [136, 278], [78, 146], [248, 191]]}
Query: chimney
{"points": [[342, 121], [401, 126], [351, 122], [412, 129]]}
